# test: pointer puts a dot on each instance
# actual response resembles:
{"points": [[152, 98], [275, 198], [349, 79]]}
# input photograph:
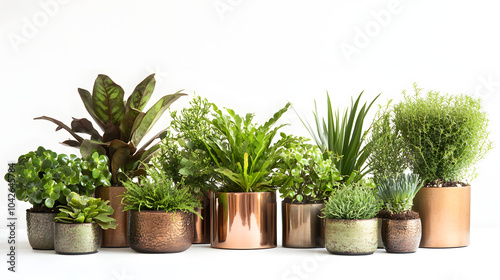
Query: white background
{"points": [[251, 56]]}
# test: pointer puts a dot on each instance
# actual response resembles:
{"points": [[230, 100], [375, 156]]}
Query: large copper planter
{"points": [[302, 226], [202, 226], [243, 220], [40, 230], [351, 237], [115, 237], [401, 236], [77, 239], [445, 215], [160, 231]]}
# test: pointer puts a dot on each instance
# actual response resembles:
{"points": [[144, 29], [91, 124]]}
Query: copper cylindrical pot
{"points": [[115, 237], [445, 215], [202, 226], [40, 230], [160, 231], [302, 226], [401, 236], [77, 239], [243, 220]]}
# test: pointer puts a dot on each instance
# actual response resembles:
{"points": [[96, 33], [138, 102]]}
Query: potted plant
{"points": [[401, 227], [244, 208], [161, 212], [44, 179], [78, 225], [307, 180], [444, 135], [123, 126], [351, 226]]}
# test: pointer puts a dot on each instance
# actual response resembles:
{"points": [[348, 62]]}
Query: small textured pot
{"points": [[445, 215], [243, 220], [401, 236], [351, 237], [77, 239], [302, 226], [160, 231], [202, 226], [40, 230], [115, 238]]}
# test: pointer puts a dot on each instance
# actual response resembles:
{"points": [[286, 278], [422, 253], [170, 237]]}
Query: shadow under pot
{"points": [[77, 239], [202, 226], [351, 237], [160, 231], [118, 237], [302, 226], [401, 236], [40, 230]]}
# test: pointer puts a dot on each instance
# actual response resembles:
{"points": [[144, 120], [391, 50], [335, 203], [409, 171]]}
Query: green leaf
{"points": [[107, 98], [89, 105], [142, 93]]}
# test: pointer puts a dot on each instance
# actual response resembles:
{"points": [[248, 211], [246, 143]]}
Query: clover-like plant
{"points": [[356, 201], [397, 192], [84, 209]]}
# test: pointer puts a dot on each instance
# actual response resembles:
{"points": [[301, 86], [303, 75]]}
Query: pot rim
{"points": [[303, 204], [352, 219], [160, 211], [245, 192], [76, 223]]}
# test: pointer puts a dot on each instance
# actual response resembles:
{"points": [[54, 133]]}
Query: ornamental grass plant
{"points": [[356, 201]]}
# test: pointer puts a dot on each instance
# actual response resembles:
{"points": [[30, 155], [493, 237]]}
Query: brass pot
{"points": [[202, 226], [302, 226], [115, 237], [243, 220], [77, 239], [40, 230], [445, 215], [160, 231], [351, 237], [401, 236]]}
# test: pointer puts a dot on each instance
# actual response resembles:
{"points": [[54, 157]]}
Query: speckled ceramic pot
{"points": [[160, 231], [401, 236], [40, 230], [351, 237], [77, 239]]}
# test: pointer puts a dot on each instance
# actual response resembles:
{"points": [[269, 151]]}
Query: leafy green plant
{"points": [[158, 192], [304, 176], [246, 155], [343, 137], [445, 135], [43, 177], [356, 201], [397, 192], [83, 209], [123, 124]]}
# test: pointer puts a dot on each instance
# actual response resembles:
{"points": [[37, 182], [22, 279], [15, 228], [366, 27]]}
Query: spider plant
{"points": [[397, 192]]}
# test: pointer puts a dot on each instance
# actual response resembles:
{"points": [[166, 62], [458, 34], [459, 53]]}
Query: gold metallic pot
{"points": [[77, 239], [445, 215], [243, 220], [302, 226], [115, 237], [401, 236], [202, 226], [351, 237], [160, 231], [40, 230]]}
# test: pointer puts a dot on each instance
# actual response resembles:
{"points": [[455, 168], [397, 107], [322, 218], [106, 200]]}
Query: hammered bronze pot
{"points": [[401, 236], [160, 231], [445, 216], [114, 238], [40, 230], [202, 226], [302, 226], [77, 239], [243, 220], [351, 237]]}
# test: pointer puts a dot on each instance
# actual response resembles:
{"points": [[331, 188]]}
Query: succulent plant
{"points": [[397, 192], [356, 201]]}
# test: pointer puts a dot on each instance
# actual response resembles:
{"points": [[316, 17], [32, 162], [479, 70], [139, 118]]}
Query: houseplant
{"points": [[161, 212], [445, 136], [351, 226], [123, 125], [44, 179], [78, 225], [246, 158], [401, 227], [307, 180]]}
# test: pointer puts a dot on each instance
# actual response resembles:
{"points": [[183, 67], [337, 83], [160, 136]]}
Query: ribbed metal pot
{"points": [[302, 226], [243, 220], [202, 226], [77, 239], [160, 231], [40, 230], [445, 215], [351, 237], [115, 238], [401, 236]]}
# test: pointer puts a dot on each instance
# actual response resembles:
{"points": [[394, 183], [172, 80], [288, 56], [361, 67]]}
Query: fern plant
{"points": [[356, 201], [397, 192]]}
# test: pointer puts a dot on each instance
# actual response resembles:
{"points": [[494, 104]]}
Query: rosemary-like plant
{"points": [[356, 201], [397, 192]]}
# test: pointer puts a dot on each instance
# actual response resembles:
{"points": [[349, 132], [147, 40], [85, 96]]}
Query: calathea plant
{"points": [[123, 125]]}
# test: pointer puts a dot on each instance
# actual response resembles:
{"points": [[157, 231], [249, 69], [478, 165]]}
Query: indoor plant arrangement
{"points": [[78, 224], [351, 226], [123, 126], [308, 180], [401, 227], [246, 158], [44, 179], [161, 212]]}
